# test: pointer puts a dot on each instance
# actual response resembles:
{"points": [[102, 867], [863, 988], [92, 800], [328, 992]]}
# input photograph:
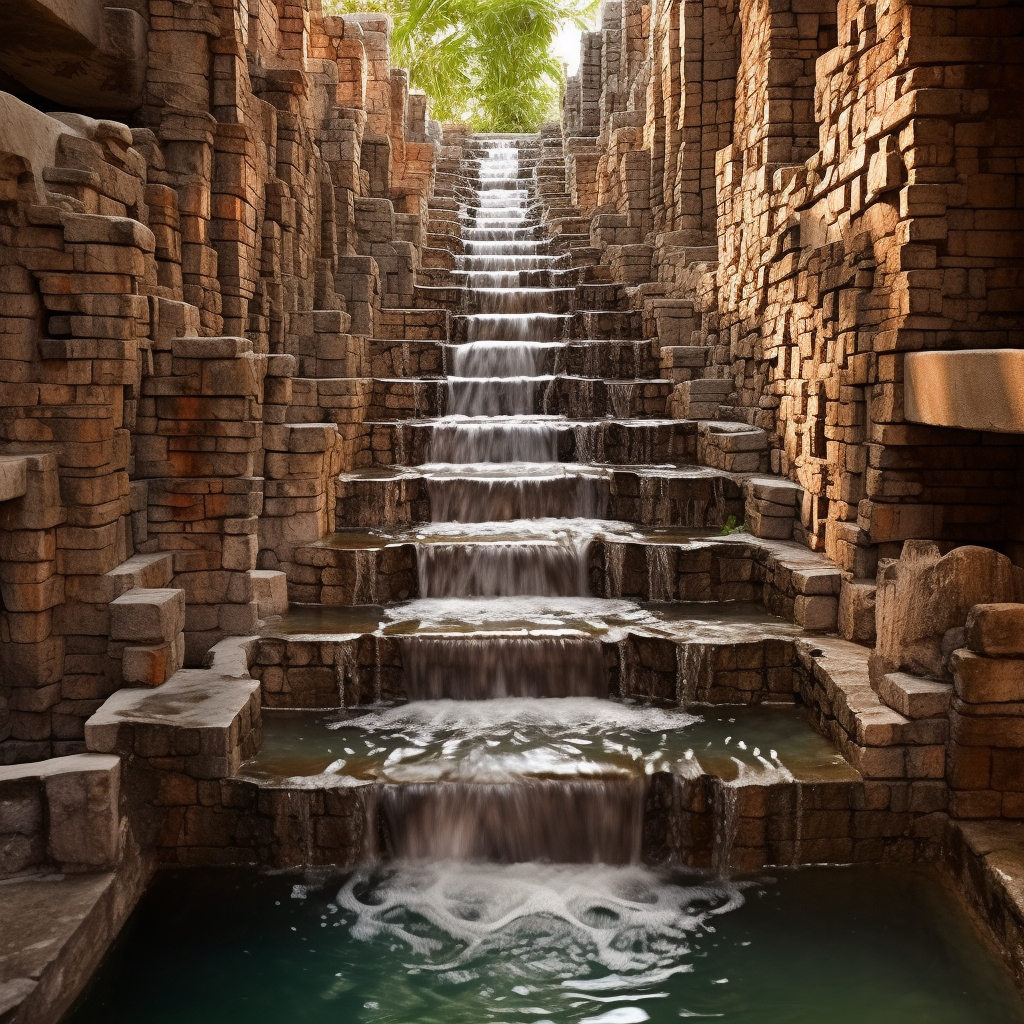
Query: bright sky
{"points": [[567, 48], [567, 45]]}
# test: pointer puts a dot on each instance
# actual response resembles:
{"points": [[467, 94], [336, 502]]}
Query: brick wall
{"points": [[160, 287], [831, 185]]}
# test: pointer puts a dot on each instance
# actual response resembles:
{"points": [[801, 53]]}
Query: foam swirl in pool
{"points": [[568, 937]]}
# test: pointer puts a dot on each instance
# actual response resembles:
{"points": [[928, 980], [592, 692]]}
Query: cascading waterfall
{"points": [[494, 459], [497, 358], [577, 821], [515, 326], [530, 492], [497, 377], [494, 441], [478, 396], [547, 568], [483, 668]]}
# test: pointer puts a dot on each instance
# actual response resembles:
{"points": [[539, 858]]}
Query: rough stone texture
{"points": [[806, 187], [986, 859], [996, 629], [160, 288], [915, 697], [56, 931], [924, 595], [78, 53], [979, 390], [63, 812], [203, 722]]}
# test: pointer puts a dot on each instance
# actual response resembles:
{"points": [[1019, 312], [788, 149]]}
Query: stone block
{"points": [[981, 389], [925, 594], [151, 616], [13, 477], [981, 680], [996, 629], [913, 696], [82, 819], [856, 619], [769, 527], [199, 713], [815, 612], [270, 591], [152, 666], [83, 811]]}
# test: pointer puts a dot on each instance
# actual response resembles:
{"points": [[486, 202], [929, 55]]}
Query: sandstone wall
{"points": [[162, 283], [802, 192]]}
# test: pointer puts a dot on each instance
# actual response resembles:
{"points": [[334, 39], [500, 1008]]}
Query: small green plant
{"points": [[733, 525]]}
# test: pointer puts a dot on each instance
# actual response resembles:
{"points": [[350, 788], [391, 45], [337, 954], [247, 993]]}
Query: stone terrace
{"points": [[782, 254]]}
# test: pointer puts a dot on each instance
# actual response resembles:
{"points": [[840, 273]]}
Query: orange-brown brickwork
{"points": [[803, 192], [163, 278]]}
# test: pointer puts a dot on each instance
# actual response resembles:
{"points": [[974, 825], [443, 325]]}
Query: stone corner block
{"points": [[996, 629], [82, 794], [270, 589], [13, 477], [149, 616]]}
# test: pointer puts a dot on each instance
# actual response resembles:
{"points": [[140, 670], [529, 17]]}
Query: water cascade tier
{"points": [[499, 546]]}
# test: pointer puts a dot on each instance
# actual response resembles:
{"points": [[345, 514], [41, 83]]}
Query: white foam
{"points": [[629, 926], [542, 614], [622, 1015], [559, 716]]}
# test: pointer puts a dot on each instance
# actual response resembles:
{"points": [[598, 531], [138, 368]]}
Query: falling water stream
{"points": [[510, 795], [530, 521]]}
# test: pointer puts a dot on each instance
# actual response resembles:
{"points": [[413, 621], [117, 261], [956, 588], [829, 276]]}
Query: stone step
{"points": [[549, 277], [414, 324], [598, 442], [359, 569], [561, 395], [689, 496], [593, 325], [513, 300], [609, 360], [734, 447], [680, 364], [915, 697], [699, 397]]}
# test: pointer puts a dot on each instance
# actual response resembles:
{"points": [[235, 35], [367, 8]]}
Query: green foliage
{"points": [[487, 62], [733, 525]]}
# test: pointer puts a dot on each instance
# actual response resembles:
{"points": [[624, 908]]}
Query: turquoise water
{"points": [[466, 944]]}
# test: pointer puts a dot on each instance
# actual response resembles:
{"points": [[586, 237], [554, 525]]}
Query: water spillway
{"points": [[503, 517], [558, 820], [497, 523], [488, 668]]}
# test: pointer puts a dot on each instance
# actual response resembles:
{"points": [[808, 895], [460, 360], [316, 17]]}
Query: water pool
{"points": [[469, 943], [505, 739]]}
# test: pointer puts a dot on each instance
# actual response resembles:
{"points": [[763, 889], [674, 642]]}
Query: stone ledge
{"points": [[981, 389], [987, 861], [56, 930], [203, 722], [878, 741], [13, 477], [913, 696]]}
